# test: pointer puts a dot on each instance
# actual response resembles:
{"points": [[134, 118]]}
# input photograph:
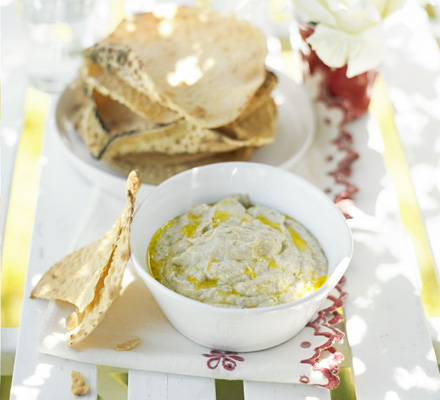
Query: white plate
{"points": [[294, 134]]}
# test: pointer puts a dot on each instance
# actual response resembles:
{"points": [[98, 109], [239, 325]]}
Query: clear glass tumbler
{"points": [[57, 31]]}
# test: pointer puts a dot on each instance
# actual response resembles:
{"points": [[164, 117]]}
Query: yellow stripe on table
{"points": [[20, 216], [399, 172], [347, 388]]}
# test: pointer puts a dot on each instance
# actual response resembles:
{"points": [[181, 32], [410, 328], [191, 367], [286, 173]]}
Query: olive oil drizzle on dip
{"points": [[234, 254]]}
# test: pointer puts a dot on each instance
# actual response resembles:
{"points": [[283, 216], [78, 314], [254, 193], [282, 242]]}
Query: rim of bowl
{"points": [[256, 310]]}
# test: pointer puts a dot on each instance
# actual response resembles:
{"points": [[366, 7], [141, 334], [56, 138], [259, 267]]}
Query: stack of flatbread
{"points": [[174, 89]]}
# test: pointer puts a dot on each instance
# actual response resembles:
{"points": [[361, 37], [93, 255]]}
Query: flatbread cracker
{"points": [[80, 278], [156, 172], [261, 96], [99, 119], [79, 385], [109, 285], [109, 84], [74, 278], [128, 345], [72, 321], [262, 123], [111, 130], [202, 64]]}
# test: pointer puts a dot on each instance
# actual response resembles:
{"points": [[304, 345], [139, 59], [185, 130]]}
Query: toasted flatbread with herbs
{"points": [[202, 64], [109, 84], [155, 168], [90, 277], [111, 130]]}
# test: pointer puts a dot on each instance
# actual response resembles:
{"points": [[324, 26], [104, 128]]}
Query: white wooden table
{"points": [[387, 330]]}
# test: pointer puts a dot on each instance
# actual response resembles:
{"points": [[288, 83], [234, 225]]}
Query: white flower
{"points": [[348, 31]]}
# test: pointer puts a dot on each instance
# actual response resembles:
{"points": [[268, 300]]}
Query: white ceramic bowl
{"points": [[241, 329]]}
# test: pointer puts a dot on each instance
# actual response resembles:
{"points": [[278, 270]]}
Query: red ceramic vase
{"points": [[351, 94]]}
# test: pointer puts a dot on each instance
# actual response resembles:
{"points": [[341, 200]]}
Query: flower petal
{"points": [[334, 5], [366, 51], [356, 20], [314, 11], [392, 5], [331, 45], [380, 5]]}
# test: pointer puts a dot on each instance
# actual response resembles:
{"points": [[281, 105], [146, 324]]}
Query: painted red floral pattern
{"points": [[227, 359]]}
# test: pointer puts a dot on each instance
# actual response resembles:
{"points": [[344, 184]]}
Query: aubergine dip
{"points": [[235, 254]]}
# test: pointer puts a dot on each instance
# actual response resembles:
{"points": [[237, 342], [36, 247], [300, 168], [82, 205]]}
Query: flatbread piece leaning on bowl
{"points": [[168, 92], [90, 278]]}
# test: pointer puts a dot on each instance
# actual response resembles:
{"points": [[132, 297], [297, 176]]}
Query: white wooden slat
{"points": [[49, 378], [424, 165], [392, 351], [283, 391], [155, 385], [39, 376], [385, 322], [190, 388], [147, 385], [434, 330], [9, 337], [386, 327]]}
